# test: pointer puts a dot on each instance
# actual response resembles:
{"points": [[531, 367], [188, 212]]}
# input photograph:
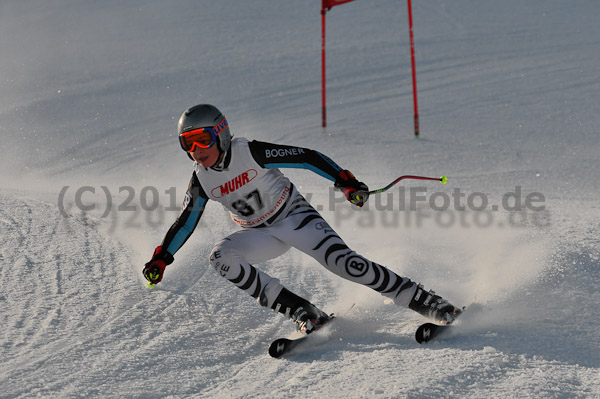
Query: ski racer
{"points": [[245, 177]]}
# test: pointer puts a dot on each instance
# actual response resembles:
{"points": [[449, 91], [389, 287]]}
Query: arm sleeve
{"points": [[184, 226], [269, 155]]}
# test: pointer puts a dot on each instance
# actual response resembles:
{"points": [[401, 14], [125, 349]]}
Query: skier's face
{"points": [[206, 157]]}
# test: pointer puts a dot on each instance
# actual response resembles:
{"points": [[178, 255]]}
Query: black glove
{"points": [[355, 191], [153, 270]]}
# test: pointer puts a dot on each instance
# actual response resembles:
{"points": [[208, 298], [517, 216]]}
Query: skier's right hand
{"points": [[153, 270]]}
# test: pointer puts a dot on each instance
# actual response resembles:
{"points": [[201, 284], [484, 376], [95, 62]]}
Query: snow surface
{"points": [[90, 95]]}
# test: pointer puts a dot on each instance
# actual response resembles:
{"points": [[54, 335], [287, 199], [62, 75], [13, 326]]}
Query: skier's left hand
{"points": [[355, 191]]}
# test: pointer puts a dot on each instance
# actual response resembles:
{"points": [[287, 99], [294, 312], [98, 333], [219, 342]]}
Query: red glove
{"points": [[153, 270], [355, 191]]}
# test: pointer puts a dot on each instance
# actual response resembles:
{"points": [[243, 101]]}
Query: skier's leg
{"points": [[305, 229], [231, 258]]}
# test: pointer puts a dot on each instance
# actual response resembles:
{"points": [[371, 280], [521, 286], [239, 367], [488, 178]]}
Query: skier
{"points": [[244, 177]]}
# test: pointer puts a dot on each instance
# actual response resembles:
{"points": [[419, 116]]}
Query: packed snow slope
{"points": [[92, 176]]}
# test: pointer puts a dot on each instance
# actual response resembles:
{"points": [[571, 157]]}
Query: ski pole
{"points": [[442, 179], [356, 196]]}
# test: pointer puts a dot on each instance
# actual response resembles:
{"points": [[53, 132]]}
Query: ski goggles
{"points": [[204, 137]]}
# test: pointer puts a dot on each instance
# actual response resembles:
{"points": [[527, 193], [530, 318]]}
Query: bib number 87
{"points": [[243, 207]]}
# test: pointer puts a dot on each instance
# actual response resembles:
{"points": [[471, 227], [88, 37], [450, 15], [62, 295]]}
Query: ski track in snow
{"points": [[77, 326], [91, 93]]}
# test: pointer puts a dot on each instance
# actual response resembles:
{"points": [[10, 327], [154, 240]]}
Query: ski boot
{"points": [[306, 316], [433, 306], [309, 318]]}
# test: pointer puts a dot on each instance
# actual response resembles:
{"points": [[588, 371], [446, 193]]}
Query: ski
{"points": [[428, 331], [282, 346]]}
